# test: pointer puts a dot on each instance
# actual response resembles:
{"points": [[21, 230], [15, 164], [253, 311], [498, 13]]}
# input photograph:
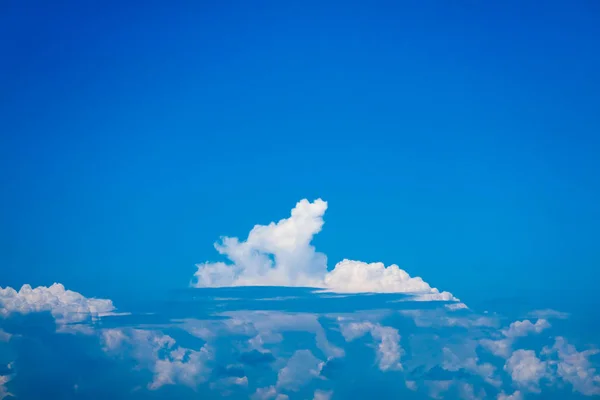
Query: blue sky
{"points": [[455, 139], [156, 160]]}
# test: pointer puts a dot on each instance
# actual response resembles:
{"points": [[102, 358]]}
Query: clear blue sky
{"points": [[458, 139]]}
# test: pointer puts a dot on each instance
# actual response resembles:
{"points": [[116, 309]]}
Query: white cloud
{"points": [[464, 356], [281, 254], [389, 351], [301, 368], [574, 367], [456, 306], [500, 348], [113, 338], [356, 276], [182, 366], [278, 254], [503, 347], [4, 379], [65, 306], [526, 369], [523, 328], [322, 394], [158, 352]]}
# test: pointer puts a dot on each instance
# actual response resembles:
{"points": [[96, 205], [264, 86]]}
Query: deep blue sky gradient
{"points": [[458, 139]]}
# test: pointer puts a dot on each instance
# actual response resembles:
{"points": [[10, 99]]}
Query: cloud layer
{"points": [[281, 254], [247, 347]]}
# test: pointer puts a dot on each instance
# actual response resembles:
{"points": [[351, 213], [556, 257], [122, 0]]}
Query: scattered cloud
{"points": [[503, 347], [523, 328], [4, 379], [574, 366], [301, 368], [170, 364], [526, 370], [389, 351]]}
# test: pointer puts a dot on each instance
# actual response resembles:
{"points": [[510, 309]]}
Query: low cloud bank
{"points": [[281, 254], [65, 306]]}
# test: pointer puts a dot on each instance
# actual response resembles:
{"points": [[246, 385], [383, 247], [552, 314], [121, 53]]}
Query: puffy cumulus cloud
{"points": [[574, 366], [278, 254], [158, 352], [389, 351], [503, 347], [500, 347], [301, 368], [356, 276], [523, 328], [526, 370], [181, 366], [65, 306], [281, 254]]}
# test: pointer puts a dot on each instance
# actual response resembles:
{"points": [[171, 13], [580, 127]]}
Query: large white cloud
{"points": [[278, 254], [281, 254], [65, 305]]}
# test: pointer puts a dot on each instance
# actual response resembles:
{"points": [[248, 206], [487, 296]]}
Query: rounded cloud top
{"points": [[64, 305], [281, 254]]}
